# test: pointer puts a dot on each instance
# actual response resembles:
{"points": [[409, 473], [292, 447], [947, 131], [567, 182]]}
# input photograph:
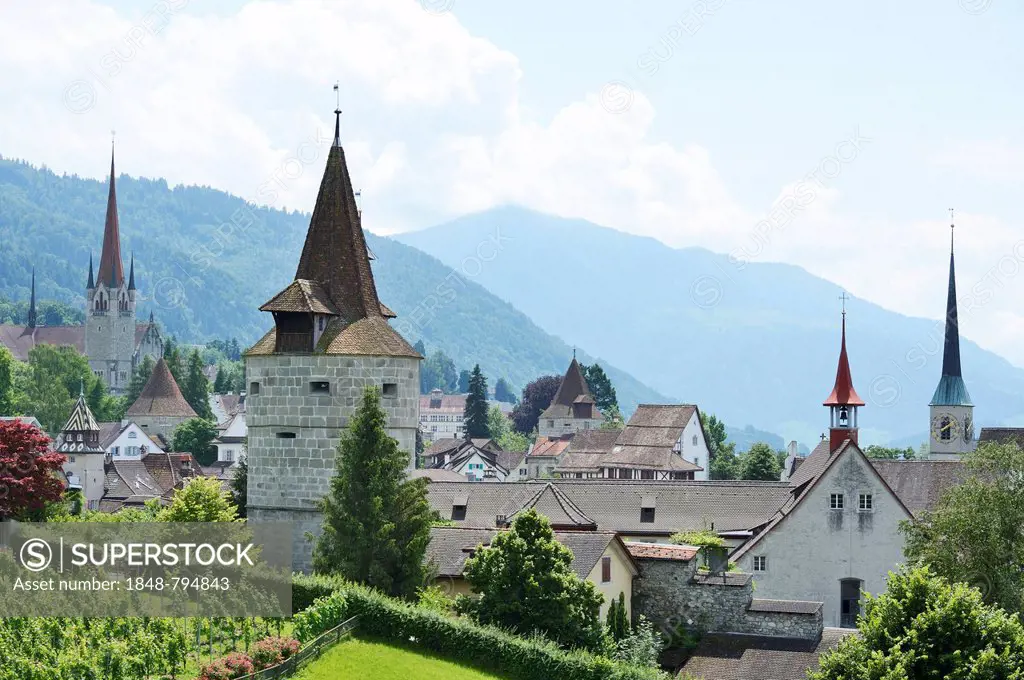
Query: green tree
{"points": [[726, 464], [475, 413], [54, 378], [526, 582], [221, 382], [502, 391], [513, 441], [196, 387], [195, 436], [600, 386], [376, 521], [240, 486], [202, 499], [140, 376], [537, 396], [924, 627], [613, 419], [974, 534], [420, 347], [172, 355], [497, 423], [6, 382], [463, 386], [617, 619], [886, 453], [760, 463], [438, 371], [714, 429]]}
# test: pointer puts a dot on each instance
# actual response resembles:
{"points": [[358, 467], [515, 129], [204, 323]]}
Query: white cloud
{"points": [[433, 128]]}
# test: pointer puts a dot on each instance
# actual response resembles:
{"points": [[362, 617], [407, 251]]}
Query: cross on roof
{"points": [[844, 297]]}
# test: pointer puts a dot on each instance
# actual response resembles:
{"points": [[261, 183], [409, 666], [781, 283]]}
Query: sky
{"points": [[835, 137]]}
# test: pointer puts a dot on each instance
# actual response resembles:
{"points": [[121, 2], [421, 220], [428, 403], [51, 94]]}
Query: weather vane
{"points": [[844, 297]]}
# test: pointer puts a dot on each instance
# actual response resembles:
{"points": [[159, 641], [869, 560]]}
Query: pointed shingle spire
{"points": [[32, 302], [111, 272], [131, 274], [92, 281], [843, 393], [335, 253]]}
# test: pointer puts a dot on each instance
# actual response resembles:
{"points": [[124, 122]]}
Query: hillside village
{"points": [[779, 573]]}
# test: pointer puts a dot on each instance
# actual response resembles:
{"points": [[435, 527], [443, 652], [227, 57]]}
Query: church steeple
{"points": [[111, 272], [32, 302], [843, 401], [92, 281], [131, 274]]}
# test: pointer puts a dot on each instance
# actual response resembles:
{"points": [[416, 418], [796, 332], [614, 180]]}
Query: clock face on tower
{"points": [[944, 427]]}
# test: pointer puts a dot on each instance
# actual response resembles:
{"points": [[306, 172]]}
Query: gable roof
{"points": [[721, 656], [801, 493], [21, 339], [920, 484], [649, 439], [369, 336], [615, 505], [550, 447], [161, 396], [551, 502], [301, 295], [1002, 435], [812, 465]]}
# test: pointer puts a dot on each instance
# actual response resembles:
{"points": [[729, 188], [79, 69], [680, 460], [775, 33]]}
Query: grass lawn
{"points": [[362, 660]]}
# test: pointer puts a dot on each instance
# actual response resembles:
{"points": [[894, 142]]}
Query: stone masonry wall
{"points": [[670, 595], [287, 476]]}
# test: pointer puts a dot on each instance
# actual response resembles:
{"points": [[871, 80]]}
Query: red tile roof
{"points": [[21, 339], [161, 396]]}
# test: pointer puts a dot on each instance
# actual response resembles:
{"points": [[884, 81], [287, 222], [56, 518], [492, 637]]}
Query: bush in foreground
{"points": [[227, 668], [458, 639], [272, 651]]}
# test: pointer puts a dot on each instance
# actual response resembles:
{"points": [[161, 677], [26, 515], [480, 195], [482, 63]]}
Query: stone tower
{"points": [[331, 338], [843, 401], [160, 407], [572, 408], [951, 412], [79, 441], [110, 306]]}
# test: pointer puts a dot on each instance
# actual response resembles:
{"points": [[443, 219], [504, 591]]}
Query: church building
{"points": [[951, 410], [112, 339], [331, 339]]}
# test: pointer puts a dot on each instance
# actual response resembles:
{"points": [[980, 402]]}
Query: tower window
{"points": [[647, 515], [254, 388], [286, 435], [390, 389], [836, 501], [319, 387]]}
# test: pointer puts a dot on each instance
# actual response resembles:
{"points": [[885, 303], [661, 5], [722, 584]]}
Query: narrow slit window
{"points": [[319, 387]]}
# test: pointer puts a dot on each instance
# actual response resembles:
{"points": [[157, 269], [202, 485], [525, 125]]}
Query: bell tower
{"points": [[844, 401]]}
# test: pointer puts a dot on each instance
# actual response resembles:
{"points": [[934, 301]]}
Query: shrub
{"points": [[229, 667], [307, 589], [272, 651], [435, 599], [640, 647], [459, 639]]}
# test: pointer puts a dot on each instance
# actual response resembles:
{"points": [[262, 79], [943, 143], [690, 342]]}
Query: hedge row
{"points": [[456, 639]]}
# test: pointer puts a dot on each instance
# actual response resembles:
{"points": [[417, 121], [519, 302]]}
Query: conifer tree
{"points": [[376, 521], [600, 386], [196, 388], [221, 381], [475, 414], [139, 379]]}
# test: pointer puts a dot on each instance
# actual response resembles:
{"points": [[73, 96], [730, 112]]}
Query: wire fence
{"points": [[310, 651]]}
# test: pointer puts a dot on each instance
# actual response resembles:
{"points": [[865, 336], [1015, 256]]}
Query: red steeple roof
{"points": [[111, 271], [843, 394]]}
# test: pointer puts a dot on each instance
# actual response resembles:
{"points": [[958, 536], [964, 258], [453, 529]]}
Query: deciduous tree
{"points": [[526, 582], [925, 627], [195, 436], [502, 391], [975, 533], [463, 386], [760, 463], [6, 382], [29, 470], [202, 499], [376, 521], [537, 396], [240, 486], [497, 423]]}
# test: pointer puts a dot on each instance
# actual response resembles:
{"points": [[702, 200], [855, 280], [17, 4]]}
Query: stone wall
{"points": [[293, 431], [110, 339], [674, 596]]}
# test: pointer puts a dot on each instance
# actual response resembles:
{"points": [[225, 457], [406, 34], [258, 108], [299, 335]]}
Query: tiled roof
{"points": [[140, 332], [843, 393], [161, 396], [21, 339], [443, 446], [661, 551], [593, 441], [733, 579], [721, 656], [1002, 435], [301, 296], [109, 432], [81, 418], [785, 606], [812, 464], [921, 483], [615, 505], [453, 403], [450, 547], [550, 446], [510, 460], [552, 502], [573, 385], [649, 437], [371, 336], [579, 462]]}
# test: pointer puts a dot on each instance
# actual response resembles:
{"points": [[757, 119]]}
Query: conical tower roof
{"points": [[111, 272], [161, 396], [951, 390], [843, 394], [335, 254], [81, 418]]}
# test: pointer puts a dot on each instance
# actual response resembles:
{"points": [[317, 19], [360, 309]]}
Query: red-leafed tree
{"points": [[29, 470], [537, 396]]}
